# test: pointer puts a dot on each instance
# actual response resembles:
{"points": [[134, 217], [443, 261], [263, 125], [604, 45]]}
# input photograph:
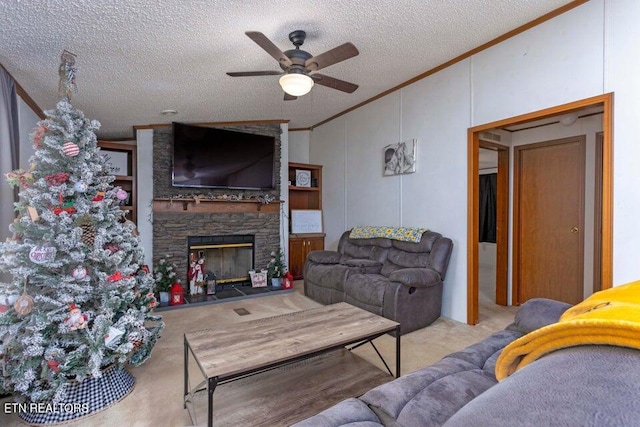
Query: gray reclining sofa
{"points": [[399, 280]]}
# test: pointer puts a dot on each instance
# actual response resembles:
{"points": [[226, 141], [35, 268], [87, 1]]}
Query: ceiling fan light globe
{"points": [[296, 84]]}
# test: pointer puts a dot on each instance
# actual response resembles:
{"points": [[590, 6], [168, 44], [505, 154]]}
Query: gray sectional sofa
{"points": [[588, 385], [399, 280]]}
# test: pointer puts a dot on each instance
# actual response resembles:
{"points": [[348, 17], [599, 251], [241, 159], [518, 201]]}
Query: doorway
{"points": [[605, 103]]}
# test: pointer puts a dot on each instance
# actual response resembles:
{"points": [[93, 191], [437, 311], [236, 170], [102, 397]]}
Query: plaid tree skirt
{"points": [[83, 398]]}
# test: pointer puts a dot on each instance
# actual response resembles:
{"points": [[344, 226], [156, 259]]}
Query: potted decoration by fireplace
{"points": [[276, 269], [165, 276]]}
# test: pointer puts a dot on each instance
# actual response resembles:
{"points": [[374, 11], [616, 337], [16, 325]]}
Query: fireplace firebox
{"points": [[226, 259]]}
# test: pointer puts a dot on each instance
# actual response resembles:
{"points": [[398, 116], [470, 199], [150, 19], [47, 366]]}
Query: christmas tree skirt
{"points": [[84, 398]]}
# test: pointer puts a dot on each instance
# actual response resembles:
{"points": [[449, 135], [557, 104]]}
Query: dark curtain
{"points": [[488, 185]]}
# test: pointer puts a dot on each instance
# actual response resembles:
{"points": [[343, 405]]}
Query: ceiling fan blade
{"points": [[330, 57], [288, 97], [254, 73], [327, 81], [268, 45]]}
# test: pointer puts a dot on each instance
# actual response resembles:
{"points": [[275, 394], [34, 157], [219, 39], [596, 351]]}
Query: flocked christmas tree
{"points": [[85, 299]]}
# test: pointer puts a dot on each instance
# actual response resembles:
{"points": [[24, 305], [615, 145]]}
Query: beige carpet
{"points": [[157, 397]]}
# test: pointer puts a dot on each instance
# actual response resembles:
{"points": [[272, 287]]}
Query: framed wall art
{"points": [[306, 221], [399, 158]]}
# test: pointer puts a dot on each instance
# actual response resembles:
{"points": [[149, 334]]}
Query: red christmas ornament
{"points": [[152, 300], [177, 294], [112, 248], [58, 178], [115, 277], [38, 135], [70, 149], [99, 197], [53, 365]]}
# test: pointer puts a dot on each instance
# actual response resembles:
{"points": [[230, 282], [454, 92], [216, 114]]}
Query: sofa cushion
{"points": [[436, 403], [327, 275], [578, 386], [426, 243], [363, 266], [364, 263], [538, 312], [429, 391], [397, 259], [418, 277], [361, 248], [485, 352], [350, 412], [324, 257], [368, 289]]}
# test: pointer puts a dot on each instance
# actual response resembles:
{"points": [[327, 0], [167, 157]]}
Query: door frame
{"points": [[502, 220], [473, 146]]}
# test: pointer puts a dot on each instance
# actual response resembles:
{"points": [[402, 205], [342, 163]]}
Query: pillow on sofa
{"points": [[538, 312]]}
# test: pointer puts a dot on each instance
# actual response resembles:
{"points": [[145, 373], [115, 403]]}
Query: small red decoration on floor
{"points": [[177, 294], [287, 280]]}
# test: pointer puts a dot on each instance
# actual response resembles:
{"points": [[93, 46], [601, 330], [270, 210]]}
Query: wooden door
{"points": [[297, 256], [549, 220], [299, 248], [315, 244]]}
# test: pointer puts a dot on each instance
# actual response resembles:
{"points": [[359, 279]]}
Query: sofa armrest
{"points": [[324, 257], [416, 277], [538, 312]]}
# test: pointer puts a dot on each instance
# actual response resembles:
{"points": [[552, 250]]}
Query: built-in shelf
{"points": [[304, 198], [294, 188], [213, 205], [126, 182]]}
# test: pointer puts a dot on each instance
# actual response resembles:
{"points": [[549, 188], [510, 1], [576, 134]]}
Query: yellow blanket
{"points": [[609, 317]]}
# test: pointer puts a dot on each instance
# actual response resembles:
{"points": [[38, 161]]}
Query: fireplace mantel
{"points": [[194, 205]]}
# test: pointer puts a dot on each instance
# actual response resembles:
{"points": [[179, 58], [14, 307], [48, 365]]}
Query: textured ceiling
{"points": [[136, 58]]}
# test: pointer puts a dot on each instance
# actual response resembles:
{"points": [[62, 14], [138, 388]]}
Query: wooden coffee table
{"points": [[234, 351]]}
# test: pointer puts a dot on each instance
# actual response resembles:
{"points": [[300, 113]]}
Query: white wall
{"points": [[621, 75], [299, 146], [587, 51], [27, 120], [144, 142]]}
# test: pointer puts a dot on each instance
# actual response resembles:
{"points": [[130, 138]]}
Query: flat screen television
{"points": [[218, 158]]}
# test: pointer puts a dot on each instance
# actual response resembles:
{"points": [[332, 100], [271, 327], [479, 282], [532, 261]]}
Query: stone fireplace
{"points": [[180, 213]]}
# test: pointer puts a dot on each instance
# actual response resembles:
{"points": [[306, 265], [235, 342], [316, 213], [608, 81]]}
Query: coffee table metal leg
{"points": [[186, 372], [398, 351], [213, 382]]}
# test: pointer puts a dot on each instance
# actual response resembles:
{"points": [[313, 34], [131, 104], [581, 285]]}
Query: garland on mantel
{"points": [[265, 199]]}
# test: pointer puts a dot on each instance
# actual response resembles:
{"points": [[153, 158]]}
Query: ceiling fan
{"points": [[297, 65]]}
